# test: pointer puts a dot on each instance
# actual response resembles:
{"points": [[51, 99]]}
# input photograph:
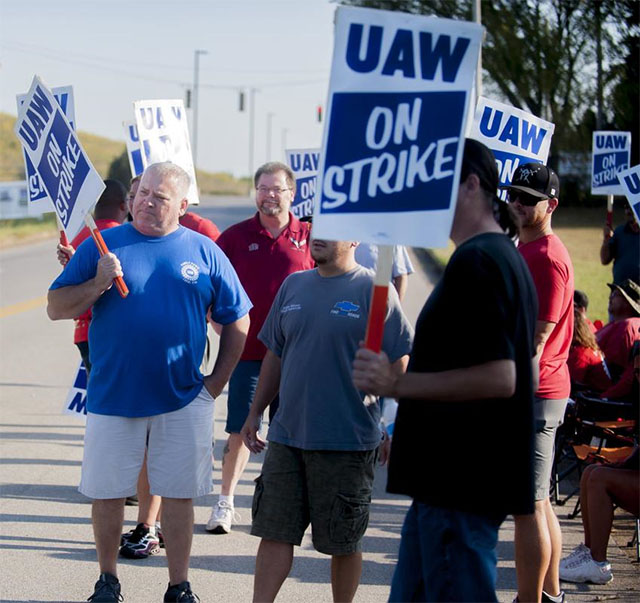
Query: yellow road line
{"points": [[23, 306]]}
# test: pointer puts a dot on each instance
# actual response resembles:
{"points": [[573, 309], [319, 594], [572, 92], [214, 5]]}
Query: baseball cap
{"points": [[631, 292], [536, 180], [479, 160]]}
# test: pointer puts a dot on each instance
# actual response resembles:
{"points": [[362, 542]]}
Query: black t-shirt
{"points": [[474, 456]]}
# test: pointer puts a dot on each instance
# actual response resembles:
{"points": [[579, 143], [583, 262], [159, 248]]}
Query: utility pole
{"points": [[252, 107], [269, 119], [284, 142], [196, 76], [477, 17]]}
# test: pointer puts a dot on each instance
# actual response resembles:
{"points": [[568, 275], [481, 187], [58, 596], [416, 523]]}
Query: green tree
{"points": [[542, 55], [120, 170]]}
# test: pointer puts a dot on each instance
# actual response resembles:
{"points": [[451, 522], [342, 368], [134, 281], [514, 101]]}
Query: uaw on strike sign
{"points": [[610, 155], [66, 172], [394, 136], [38, 198], [514, 136], [304, 165]]}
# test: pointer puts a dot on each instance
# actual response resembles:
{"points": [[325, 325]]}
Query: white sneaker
{"points": [[580, 551], [222, 516], [585, 569]]}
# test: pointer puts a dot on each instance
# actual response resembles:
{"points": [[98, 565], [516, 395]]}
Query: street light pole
{"points": [[269, 119], [252, 104], [196, 76]]}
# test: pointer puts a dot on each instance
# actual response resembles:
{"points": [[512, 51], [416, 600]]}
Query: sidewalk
{"points": [[46, 542]]}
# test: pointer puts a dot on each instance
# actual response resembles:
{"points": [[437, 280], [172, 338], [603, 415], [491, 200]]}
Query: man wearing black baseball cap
{"points": [[484, 388], [533, 197]]}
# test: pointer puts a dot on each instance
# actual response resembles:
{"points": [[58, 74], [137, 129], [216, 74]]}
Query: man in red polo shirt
{"points": [[264, 250], [533, 197]]}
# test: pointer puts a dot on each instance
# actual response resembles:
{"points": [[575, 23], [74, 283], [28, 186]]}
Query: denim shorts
{"points": [[446, 555], [548, 415], [242, 387], [329, 489]]}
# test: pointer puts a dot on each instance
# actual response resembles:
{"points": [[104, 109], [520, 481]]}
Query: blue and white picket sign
{"points": [[304, 164], [53, 148], [394, 134], [164, 136], [39, 201], [611, 154], [515, 136], [133, 147], [630, 183], [76, 402]]}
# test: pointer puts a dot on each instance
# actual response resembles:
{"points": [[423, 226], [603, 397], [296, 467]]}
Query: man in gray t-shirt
{"points": [[323, 438]]}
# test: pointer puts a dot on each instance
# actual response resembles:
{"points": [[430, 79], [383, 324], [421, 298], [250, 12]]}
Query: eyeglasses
{"points": [[276, 190], [524, 198]]}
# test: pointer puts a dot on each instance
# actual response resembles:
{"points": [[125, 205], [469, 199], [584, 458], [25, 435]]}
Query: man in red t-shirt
{"points": [[200, 224], [264, 250], [533, 197], [110, 211]]}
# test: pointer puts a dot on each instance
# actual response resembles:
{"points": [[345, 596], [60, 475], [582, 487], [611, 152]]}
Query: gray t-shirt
{"points": [[315, 325]]}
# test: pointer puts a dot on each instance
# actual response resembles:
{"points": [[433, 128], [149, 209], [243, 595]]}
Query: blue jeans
{"points": [[446, 555]]}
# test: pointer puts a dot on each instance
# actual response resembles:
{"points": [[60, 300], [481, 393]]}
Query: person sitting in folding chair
{"points": [[602, 488]]}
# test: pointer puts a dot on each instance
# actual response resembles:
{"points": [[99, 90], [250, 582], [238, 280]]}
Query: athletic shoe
{"points": [[585, 569], [142, 543], [180, 593], [222, 516], [107, 590], [547, 598], [580, 551], [125, 537]]}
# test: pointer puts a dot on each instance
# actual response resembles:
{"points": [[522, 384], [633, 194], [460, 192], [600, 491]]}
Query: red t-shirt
{"points": [[616, 340], [586, 367], [199, 224], [81, 332], [552, 272], [262, 263]]}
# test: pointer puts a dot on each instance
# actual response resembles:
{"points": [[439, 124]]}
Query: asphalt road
{"points": [[46, 541]]}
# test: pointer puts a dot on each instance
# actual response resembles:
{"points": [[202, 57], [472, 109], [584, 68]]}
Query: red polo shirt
{"points": [[262, 263], [552, 272]]}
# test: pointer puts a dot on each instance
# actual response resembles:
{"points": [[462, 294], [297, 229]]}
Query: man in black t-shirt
{"points": [[465, 417]]}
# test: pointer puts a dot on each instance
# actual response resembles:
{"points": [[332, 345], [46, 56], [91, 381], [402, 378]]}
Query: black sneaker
{"points": [[547, 598], [181, 593], [142, 543], [107, 590]]}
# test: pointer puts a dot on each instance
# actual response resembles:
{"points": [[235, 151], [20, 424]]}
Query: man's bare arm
{"points": [[232, 340], [373, 373], [72, 301], [266, 390]]}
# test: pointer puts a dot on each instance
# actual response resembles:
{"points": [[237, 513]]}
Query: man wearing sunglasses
{"points": [[533, 197]]}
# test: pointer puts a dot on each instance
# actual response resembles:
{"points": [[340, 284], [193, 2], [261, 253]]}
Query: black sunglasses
{"points": [[524, 198]]}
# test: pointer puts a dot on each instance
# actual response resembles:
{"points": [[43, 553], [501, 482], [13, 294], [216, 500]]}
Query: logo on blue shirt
{"points": [[190, 272], [346, 308]]}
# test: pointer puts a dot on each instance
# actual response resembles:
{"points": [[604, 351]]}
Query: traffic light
{"points": [[241, 102], [319, 113], [187, 101]]}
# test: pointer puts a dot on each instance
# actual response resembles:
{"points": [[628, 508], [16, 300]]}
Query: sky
{"points": [[118, 51]]}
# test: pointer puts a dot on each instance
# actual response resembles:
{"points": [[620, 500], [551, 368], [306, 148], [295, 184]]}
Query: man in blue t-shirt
{"points": [[146, 391]]}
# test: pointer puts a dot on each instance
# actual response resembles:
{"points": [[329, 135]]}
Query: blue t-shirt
{"points": [[146, 349]]}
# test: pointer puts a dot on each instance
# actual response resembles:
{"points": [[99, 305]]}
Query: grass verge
{"points": [[580, 229], [27, 230]]}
